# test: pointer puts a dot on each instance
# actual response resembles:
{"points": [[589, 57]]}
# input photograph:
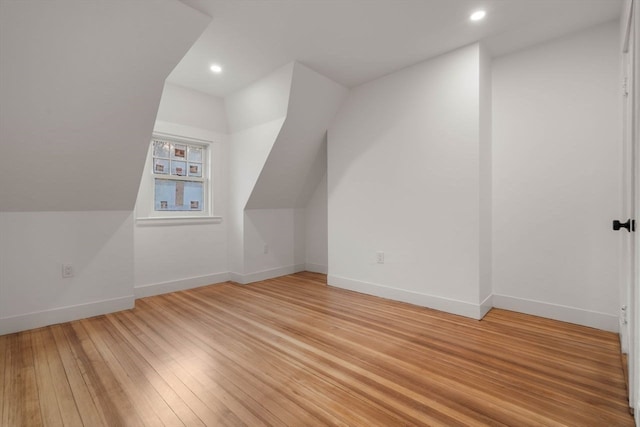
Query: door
{"points": [[634, 46], [630, 294]]}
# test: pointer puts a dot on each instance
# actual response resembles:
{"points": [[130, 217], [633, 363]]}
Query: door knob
{"points": [[630, 225]]}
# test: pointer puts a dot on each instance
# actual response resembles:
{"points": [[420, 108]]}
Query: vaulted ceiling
{"points": [[354, 41]]}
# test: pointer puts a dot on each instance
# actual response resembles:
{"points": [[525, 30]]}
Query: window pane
{"points": [[195, 169], [195, 154], [179, 168], [161, 149], [160, 166], [178, 151], [193, 196], [178, 195]]}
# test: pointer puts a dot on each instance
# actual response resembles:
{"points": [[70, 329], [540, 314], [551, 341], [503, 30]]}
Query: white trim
{"points": [[448, 305], [579, 316], [179, 285], [236, 277], [184, 178], [486, 305], [172, 220], [54, 316], [316, 268], [181, 138], [257, 276]]}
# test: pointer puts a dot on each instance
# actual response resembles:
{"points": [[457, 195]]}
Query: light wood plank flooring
{"points": [[292, 351]]}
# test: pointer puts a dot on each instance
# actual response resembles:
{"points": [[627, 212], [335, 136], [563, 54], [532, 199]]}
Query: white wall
{"points": [[556, 185], [33, 247], [255, 115], [192, 108], [248, 150], [263, 101], [404, 178], [316, 234], [169, 254], [485, 182], [282, 231]]}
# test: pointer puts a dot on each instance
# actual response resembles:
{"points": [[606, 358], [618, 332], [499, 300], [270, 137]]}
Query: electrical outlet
{"points": [[266, 249], [67, 270], [380, 257]]}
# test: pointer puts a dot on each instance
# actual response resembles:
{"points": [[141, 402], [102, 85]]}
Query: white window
{"points": [[179, 171], [177, 180]]}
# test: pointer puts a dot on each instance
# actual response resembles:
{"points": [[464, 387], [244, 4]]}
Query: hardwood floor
{"points": [[292, 351]]}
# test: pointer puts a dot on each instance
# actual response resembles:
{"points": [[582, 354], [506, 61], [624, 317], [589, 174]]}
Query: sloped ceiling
{"points": [[355, 41], [297, 160], [80, 84]]}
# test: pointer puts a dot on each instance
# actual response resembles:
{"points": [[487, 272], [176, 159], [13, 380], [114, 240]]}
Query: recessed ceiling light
{"points": [[478, 15], [216, 68]]}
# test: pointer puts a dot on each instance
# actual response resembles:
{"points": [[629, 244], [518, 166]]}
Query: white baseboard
{"points": [[39, 319], [236, 277], [257, 276], [452, 306], [179, 285], [486, 305], [316, 268], [563, 313]]}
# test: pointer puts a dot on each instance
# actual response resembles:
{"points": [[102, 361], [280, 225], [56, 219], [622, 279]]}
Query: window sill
{"points": [[178, 220]]}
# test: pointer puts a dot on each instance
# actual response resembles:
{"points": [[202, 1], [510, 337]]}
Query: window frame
{"points": [[146, 213], [186, 177]]}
